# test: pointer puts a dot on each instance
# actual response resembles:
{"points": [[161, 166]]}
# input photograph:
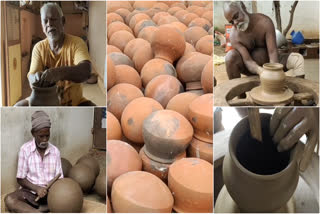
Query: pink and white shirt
{"points": [[37, 170]]}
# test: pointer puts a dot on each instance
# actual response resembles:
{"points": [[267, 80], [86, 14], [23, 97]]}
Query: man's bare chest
{"points": [[252, 41]]}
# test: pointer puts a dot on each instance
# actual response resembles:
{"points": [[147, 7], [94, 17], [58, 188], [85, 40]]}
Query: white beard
{"points": [[243, 26]]}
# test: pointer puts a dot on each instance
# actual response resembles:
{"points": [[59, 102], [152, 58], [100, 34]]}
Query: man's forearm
{"points": [[252, 67], [27, 184], [78, 73]]}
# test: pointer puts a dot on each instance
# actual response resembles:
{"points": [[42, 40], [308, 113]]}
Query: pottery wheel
{"points": [[225, 204], [262, 98]]}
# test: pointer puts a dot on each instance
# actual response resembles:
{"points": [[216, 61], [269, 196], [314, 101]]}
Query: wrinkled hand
{"points": [[288, 125], [37, 77], [51, 76], [42, 192]]}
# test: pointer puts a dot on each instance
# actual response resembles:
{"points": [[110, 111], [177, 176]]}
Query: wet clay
{"points": [[44, 95]]}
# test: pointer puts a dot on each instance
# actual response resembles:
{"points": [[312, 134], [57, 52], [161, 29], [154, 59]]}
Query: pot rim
{"points": [[254, 175], [273, 66], [44, 88]]}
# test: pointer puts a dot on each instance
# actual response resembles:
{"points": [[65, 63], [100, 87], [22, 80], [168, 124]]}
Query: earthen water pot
{"points": [[66, 166], [200, 149], [166, 134], [167, 20], [152, 11], [44, 96], [208, 16], [173, 10], [115, 5], [199, 11], [147, 33], [134, 114], [109, 208], [162, 88], [83, 175], [113, 127], [193, 34], [137, 18], [156, 67], [189, 17], [91, 163], [201, 117], [143, 5], [142, 24], [207, 77], [121, 158], [117, 26], [192, 8], [65, 196], [250, 190], [141, 192], [168, 44], [120, 59], [127, 74], [272, 90], [177, 25], [161, 6], [205, 45], [180, 103], [177, 4], [191, 182], [130, 15], [113, 17], [113, 49], [123, 12], [111, 75], [179, 14], [197, 3], [142, 56], [189, 49], [100, 186], [159, 15], [158, 169], [119, 96], [133, 46], [120, 39]]}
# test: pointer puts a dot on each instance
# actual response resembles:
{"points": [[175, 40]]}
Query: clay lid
{"points": [[141, 192]]}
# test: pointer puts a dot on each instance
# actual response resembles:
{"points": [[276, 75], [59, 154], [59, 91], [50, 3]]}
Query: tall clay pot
{"points": [[254, 192], [44, 96], [272, 78]]}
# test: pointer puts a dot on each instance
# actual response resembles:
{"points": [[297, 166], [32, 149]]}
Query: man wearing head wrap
{"points": [[38, 163]]}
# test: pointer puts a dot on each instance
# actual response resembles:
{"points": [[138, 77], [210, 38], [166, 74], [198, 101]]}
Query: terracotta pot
{"points": [[113, 49], [83, 175], [189, 49], [193, 34], [136, 146], [134, 45], [191, 181], [142, 56], [130, 15], [120, 59], [91, 162], [65, 196], [180, 103], [123, 12], [179, 4], [147, 33], [275, 178], [66, 166], [201, 117], [133, 116], [207, 77], [177, 25], [113, 127], [166, 134], [156, 67], [100, 186], [205, 45], [173, 10], [119, 96], [208, 16], [109, 208], [192, 8], [142, 24], [161, 6], [115, 5], [200, 22], [152, 11], [199, 11], [179, 14], [159, 15], [44, 96], [127, 74], [200, 149], [111, 74], [143, 5], [156, 168], [141, 192], [121, 158], [187, 18], [117, 26], [113, 17], [168, 44], [137, 18], [162, 88], [197, 3], [120, 39], [210, 32], [167, 20]]}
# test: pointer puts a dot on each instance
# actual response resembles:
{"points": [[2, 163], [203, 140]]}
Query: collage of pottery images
{"points": [[122, 106]]}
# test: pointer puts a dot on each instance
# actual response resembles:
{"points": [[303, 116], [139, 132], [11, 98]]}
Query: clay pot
{"points": [[177, 25], [166, 134], [152, 11], [137, 18], [278, 174], [113, 17], [121, 158], [168, 44], [83, 175], [120, 39], [142, 56], [123, 12], [156, 168], [154, 68], [134, 114], [117, 26], [143, 5], [173, 10], [111, 75], [113, 49], [127, 74], [189, 49], [180, 103], [113, 127], [100, 185], [210, 32], [200, 149], [161, 6], [130, 15], [44, 96], [109, 208], [208, 16], [159, 15], [134, 45], [142, 24], [200, 22], [187, 18], [66, 166], [179, 4], [120, 59], [193, 34], [162, 88], [201, 117], [115, 5], [141, 192], [191, 182], [192, 8], [205, 45], [119, 96], [167, 20], [199, 11], [147, 33], [207, 77], [179, 14], [65, 196], [197, 3], [91, 162]]}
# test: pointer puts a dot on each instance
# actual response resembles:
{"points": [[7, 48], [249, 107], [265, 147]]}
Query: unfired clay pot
{"points": [[120, 39], [249, 190], [120, 59], [168, 44], [117, 26], [127, 74], [66, 166], [100, 186], [207, 77], [83, 175], [201, 117], [65, 196], [193, 34], [91, 162], [147, 33], [113, 127], [166, 134], [162, 88], [205, 45], [113, 17], [44, 96], [191, 182], [180, 103], [200, 149], [141, 192], [134, 114], [121, 158]]}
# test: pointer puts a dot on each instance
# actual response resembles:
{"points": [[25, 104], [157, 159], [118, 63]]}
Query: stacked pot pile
{"points": [[159, 63]]}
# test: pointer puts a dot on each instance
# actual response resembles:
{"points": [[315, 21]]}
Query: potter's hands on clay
{"points": [[51, 76], [42, 192], [259, 70], [288, 125]]}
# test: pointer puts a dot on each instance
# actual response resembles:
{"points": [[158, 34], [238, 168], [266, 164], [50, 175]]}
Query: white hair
{"points": [[51, 4]]}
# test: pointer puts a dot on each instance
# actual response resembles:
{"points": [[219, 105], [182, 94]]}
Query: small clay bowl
{"points": [[167, 20], [143, 5], [161, 6], [200, 149], [140, 192], [127, 74], [113, 127], [180, 103], [191, 182], [111, 74], [187, 18], [207, 77], [166, 134]]}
